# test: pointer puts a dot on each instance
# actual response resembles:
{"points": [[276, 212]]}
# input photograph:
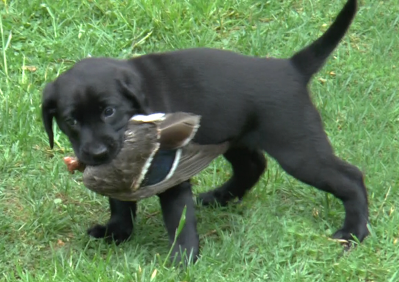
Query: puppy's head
{"points": [[92, 103]]}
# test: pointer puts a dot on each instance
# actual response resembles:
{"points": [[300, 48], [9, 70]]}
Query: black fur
{"points": [[258, 104]]}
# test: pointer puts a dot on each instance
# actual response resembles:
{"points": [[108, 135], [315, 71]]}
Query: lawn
{"points": [[280, 232]]}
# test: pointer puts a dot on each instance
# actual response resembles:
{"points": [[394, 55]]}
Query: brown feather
{"points": [[177, 130]]}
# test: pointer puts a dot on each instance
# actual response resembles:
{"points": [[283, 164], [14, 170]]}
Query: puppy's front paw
{"points": [[110, 232], [184, 256], [97, 231]]}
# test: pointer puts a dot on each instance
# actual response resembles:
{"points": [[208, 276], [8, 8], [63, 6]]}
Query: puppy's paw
{"points": [[97, 231], [212, 199], [111, 232], [354, 234], [183, 257]]}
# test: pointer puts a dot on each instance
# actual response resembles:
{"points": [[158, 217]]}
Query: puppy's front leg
{"points": [[120, 225], [173, 202]]}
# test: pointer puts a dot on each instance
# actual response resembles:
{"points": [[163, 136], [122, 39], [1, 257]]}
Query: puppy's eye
{"points": [[71, 121], [108, 112]]}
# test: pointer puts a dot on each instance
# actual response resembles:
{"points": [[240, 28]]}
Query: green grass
{"points": [[281, 230]]}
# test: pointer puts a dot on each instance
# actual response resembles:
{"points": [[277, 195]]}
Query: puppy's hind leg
{"points": [[248, 166], [311, 160]]}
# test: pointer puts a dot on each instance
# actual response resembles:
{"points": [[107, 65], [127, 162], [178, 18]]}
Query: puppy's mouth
{"points": [[94, 163]]}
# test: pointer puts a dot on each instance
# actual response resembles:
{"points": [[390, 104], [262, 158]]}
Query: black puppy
{"points": [[257, 104]]}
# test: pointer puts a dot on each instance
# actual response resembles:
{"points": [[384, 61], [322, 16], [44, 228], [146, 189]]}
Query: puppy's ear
{"points": [[49, 109], [130, 85]]}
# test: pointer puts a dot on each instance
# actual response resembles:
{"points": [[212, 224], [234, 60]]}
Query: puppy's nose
{"points": [[99, 152]]}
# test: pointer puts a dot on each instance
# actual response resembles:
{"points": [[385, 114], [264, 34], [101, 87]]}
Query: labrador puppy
{"points": [[257, 104]]}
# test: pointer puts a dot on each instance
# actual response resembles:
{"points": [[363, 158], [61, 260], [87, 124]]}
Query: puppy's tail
{"points": [[310, 59]]}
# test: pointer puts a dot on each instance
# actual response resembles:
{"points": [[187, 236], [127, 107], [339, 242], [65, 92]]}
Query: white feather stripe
{"points": [[188, 140], [149, 118], [175, 164], [144, 169]]}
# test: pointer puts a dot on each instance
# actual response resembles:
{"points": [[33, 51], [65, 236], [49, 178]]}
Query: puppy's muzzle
{"points": [[98, 153]]}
